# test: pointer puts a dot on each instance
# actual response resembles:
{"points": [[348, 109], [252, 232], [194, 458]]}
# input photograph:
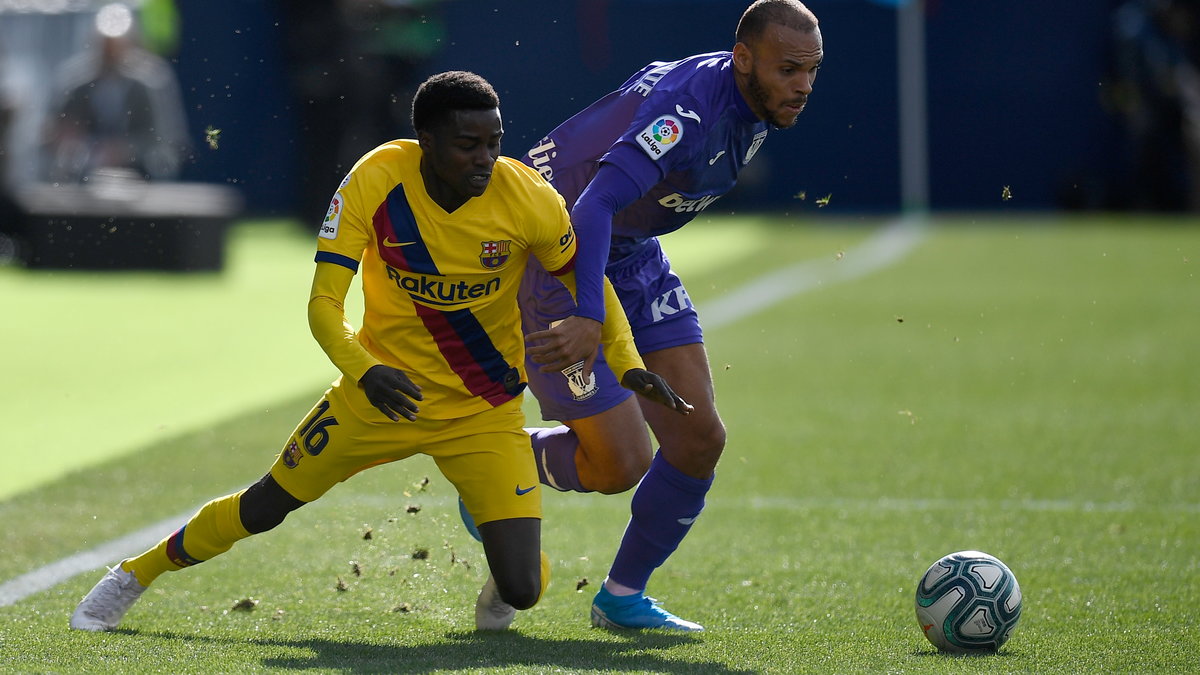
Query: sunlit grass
{"points": [[1026, 388]]}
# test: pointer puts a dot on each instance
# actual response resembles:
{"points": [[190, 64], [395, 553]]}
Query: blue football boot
{"points": [[635, 611]]}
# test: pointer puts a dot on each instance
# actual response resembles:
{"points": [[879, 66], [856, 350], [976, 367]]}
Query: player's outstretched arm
{"points": [[392, 392], [653, 387], [327, 320]]}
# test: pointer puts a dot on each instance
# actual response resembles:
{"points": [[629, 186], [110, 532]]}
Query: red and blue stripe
{"points": [[394, 221], [175, 550], [458, 334]]}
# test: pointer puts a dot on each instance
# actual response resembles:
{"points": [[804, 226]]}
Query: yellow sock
{"points": [[545, 574], [212, 531]]}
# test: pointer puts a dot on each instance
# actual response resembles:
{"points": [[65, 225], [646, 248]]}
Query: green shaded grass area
{"points": [[99, 364], [1023, 387]]}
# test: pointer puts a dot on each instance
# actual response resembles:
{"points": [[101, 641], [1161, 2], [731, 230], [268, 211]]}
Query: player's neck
{"points": [[745, 89], [439, 191]]}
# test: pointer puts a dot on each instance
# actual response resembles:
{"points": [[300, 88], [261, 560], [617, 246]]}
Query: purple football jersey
{"points": [[681, 130]]}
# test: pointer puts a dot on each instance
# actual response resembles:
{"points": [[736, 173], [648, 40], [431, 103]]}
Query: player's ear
{"points": [[743, 58], [425, 140]]}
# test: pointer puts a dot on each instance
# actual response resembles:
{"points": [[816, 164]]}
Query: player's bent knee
{"points": [[621, 476], [696, 453], [716, 438], [265, 504], [521, 596], [520, 589], [615, 464], [709, 440], [257, 522]]}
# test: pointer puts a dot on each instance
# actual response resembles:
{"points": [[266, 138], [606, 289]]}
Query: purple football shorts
{"points": [[659, 311]]}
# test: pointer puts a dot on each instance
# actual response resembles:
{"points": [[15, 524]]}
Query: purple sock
{"points": [[554, 451], [664, 506]]}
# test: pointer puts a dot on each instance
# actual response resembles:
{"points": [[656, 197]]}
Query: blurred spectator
{"points": [[10, 215], [120, 108], [354, 65], [1158, 83]]}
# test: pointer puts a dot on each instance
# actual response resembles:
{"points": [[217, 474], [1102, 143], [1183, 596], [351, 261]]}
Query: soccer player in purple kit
{"points": [[639, 163]]}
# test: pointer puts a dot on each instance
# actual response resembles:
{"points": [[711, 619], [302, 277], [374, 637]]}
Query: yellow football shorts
{"points": [[487, 456]]}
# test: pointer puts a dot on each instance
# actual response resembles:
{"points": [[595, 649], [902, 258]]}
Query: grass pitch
{"points": [[1024, 387]]}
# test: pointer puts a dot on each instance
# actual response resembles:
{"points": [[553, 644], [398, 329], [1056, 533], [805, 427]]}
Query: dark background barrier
{"points": [[1016, 95]]}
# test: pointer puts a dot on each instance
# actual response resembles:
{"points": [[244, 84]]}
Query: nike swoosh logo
{"points": [[526, 490], [686, 113], [393, 244], [686, 521], [714, 159]]}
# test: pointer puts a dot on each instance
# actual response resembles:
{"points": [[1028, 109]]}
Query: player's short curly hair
{"points": [[762, 13], [441, 95]]}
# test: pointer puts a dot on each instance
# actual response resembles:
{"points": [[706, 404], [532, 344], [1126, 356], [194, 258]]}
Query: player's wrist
{"points": [[593, 314]]}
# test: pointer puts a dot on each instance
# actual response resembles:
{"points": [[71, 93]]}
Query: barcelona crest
{"points": [[495, 253], [291, 455]]}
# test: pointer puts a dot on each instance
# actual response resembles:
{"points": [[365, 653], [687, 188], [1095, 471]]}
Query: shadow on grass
{"points": [[474, 651], [967, 656]]}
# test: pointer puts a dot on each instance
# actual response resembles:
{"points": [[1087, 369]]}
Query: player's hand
{"points": [[654, 388], [564, 344], [392, 392]]}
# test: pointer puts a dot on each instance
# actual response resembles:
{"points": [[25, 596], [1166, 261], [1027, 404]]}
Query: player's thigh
{"points": [[692, 443], [667, 331], [616, 439], [333, 442], [660, 311], [489, 460]]}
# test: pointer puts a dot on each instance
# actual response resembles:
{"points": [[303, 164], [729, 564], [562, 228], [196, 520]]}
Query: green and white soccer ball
{"points": [[968, 602]]}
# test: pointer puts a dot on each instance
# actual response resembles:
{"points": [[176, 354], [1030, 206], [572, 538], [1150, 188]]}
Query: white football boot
{"points": [[491, 611], [103, 606]]}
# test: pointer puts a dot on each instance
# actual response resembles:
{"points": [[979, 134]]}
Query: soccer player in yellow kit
{"points": [[441, 229]]}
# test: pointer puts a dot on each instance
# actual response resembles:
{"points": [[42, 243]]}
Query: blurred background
{"points": [[1042, 105]]}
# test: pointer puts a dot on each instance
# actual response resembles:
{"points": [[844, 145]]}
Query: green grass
{"points": [[1023, 387], [101, 364]]}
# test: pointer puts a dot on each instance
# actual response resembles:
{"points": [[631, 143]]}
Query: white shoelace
{"points": [[113, 599]]}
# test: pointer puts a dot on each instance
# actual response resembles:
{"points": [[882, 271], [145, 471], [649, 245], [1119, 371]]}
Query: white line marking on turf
{"points": [[824, 505], [49, 576], [956, 505], [887, 246]]}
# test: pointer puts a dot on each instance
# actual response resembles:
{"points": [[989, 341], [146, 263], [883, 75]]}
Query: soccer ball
{"points": [[968, 602]]}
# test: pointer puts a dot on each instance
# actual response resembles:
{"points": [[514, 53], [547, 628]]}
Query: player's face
{"points": [[458, 156], [778, 72]]}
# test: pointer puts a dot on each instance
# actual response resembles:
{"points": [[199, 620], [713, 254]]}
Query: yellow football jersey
{"points": [[441, 288]]}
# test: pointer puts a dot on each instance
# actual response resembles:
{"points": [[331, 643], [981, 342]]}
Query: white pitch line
{"points": [[892, 504], [49, 576], [825, 505], [887, 246]]}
